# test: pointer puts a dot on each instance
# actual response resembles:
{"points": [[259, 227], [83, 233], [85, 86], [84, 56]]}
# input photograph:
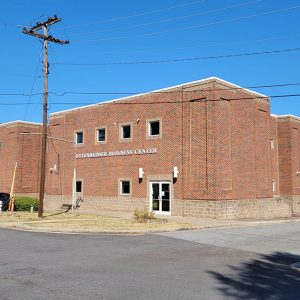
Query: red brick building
{"points": [[288, 128], [207, 148], [20, 143]]}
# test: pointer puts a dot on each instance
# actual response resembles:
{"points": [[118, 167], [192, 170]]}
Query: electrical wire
{"points": [[179, 59], [156, 102], [18, 75], [201, 46], [33, 84], [135, 15], [62, 94], [189, 27], [168, 20]]}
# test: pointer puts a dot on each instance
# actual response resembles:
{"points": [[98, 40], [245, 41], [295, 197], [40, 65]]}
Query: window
{"points": [[101, 135], [125, 187], [154, 128], [79, 137], [78, 186], [126, 132]]}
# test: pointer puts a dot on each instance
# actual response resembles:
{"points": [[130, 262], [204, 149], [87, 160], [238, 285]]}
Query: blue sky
{"points": [[144, 30]]}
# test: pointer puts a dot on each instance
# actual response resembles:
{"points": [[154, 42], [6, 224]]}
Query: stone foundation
{"points": [[209, 209], [97, 204], [233, 209], [296, 205]]}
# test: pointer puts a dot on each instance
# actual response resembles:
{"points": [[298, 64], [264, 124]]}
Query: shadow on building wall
{"points": [[267, 277]]}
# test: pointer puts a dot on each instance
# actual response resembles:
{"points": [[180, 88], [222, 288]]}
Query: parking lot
{"points": [[250, 262]]}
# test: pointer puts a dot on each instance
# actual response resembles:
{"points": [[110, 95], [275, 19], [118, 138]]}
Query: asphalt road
{"points": [[249, 263]]}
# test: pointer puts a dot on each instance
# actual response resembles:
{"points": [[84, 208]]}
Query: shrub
{"points": [[24, 203], [143, 215]]}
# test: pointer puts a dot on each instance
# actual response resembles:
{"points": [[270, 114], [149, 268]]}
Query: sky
{"points": [[108, 39]]}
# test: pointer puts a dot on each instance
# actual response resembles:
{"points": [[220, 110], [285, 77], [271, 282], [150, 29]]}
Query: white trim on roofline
{"points": [[19, 122], [160, 90], [286, 116]]}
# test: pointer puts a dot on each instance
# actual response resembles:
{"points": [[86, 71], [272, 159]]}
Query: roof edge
{"points": [[160, 90], [286, 116], [19, 122]]}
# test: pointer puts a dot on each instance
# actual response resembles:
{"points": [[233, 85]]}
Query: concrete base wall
{"points": [[210, 209], [98, 203], [233, 209], [296, 204]]}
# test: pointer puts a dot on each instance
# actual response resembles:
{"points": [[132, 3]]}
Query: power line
{"points": [[156, 102], [168, 20], [190, 27], [62, 94], [33, 84], [179, 59], [135, 15], [185, 101], [18, 75], [4, 23], [202, 45]]}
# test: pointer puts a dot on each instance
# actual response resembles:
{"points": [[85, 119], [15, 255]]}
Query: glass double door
{"points": [[160, 197]]}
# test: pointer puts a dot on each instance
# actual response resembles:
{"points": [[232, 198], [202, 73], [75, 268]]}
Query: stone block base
{"points": [[296, 205], [98, 203], [233, 209], [210, 209]]}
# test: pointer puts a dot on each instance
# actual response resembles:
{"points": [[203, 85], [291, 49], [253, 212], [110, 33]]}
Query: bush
{"points": [[143, 215], [24, 203]]}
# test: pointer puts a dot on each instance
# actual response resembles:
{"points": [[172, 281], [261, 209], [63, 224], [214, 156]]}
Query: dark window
{"points": [[126, 132], [154, 128], [125, 187], [101, 135], [78, 186], [79, 137]]}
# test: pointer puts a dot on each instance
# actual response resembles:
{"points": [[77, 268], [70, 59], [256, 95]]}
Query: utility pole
{"points": [[45, 37]]}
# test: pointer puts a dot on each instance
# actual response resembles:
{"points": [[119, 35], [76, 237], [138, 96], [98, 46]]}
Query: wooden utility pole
{"points": [[11, 204], [45, 37]]}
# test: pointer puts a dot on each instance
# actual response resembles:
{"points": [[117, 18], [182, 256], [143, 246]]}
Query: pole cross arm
{"points": [[50, 21], [33, 33], [49, 38]]}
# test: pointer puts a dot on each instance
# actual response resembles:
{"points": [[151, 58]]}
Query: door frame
{"points": [[157, 212]]}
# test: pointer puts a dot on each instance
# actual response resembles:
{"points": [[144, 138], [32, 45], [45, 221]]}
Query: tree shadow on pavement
{"points": [[267, 277]]}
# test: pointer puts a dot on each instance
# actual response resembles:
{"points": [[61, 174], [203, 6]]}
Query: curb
{"points": [[78, 232], [142, 232]]}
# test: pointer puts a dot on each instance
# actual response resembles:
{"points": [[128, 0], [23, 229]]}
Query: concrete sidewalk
{"points": [[221, 223]]}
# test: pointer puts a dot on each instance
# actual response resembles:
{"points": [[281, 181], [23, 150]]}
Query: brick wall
{"points": [[289, 159], [217, 135], [23, 149]]}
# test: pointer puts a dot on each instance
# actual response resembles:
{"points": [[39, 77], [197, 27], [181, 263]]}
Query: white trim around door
{"points": [[160, 197]]}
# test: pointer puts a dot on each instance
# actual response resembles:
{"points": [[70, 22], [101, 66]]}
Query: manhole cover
{"points": [[296, 266]]}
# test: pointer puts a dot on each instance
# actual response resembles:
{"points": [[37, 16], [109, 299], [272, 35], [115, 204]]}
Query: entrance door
{"points": [[160, 197]]}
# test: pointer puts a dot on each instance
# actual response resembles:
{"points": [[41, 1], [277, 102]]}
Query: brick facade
{"points": [[20, 143], [289, 159], [235, 159], [222, 138]]}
